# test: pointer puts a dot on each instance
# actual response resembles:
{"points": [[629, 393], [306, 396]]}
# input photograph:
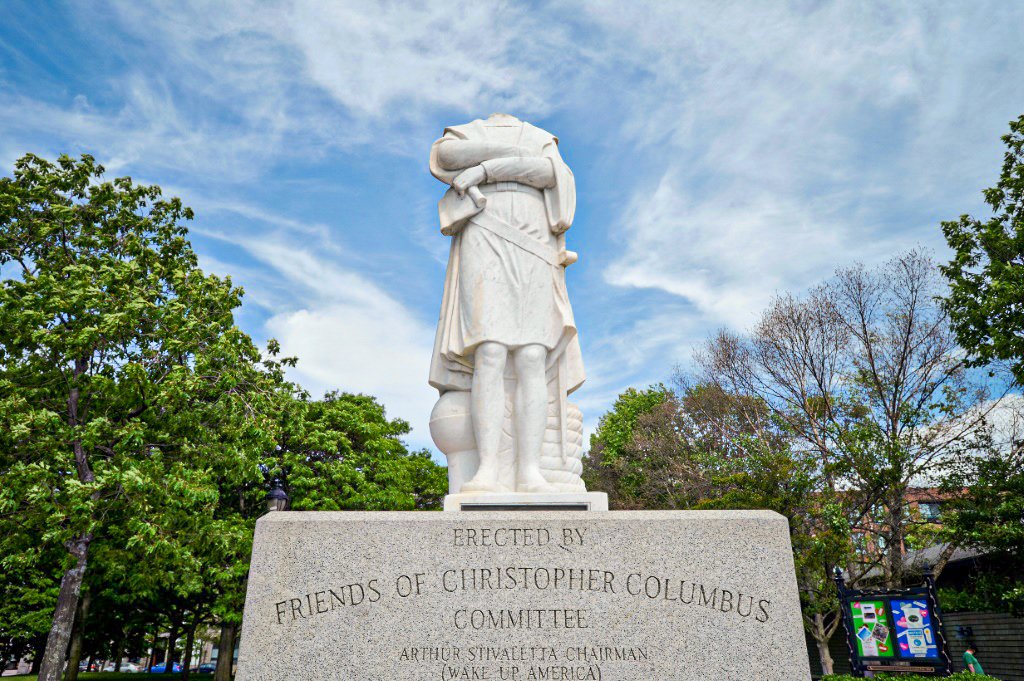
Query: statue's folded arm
{"points": [[456, 154], [535, 172]]}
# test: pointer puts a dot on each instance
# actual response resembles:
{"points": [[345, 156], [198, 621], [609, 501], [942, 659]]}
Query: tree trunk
{"points": [[172, 643], [897, 535], [64, 614], [77, 634], [118, 649], [152, 650], [225, 653], [52, 664], [186, 658], [38, 650], [825, 655], [819, 632], [944, 557]]}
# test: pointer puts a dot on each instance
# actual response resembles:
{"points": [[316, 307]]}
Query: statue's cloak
{"points": [[451, 366]]}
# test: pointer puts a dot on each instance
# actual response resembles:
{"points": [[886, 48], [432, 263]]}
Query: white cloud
{"points": [[780, 138], [303, 288], [357, 347], [347, 332], [147, 130], [758, 145], [725, 255], [225, 91], [306, 77], [385, 58]]}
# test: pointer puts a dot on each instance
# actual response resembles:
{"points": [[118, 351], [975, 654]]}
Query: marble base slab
{"points": [[522, 501], [522, 596]]}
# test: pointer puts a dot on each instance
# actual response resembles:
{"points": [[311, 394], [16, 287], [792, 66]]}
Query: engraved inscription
{"points": [[521, 619], [320, 602], [524, 662], [470, 600]]}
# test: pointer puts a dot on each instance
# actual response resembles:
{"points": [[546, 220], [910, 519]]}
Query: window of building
{"points": [[929, 510]]}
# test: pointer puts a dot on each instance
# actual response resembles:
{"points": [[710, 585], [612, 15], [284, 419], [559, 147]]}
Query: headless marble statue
{"points": [[506, 354]]}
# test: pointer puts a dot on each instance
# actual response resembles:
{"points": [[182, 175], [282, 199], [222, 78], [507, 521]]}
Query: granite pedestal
{"points": [[615, 596], [523, 501]]}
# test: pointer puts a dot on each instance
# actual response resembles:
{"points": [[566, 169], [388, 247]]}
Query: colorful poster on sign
{"points": [[915, 635], [871, 627]]}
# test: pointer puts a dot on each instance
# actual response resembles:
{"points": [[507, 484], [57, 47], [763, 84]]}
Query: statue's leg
{"points": [[531, 409], [488, 402]]}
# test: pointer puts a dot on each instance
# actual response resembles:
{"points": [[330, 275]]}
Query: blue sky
{"points": [[723, 152]]}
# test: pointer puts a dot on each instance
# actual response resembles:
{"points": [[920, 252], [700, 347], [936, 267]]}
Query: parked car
{"points": [[159, 668], [126, 667], [207, 668]]}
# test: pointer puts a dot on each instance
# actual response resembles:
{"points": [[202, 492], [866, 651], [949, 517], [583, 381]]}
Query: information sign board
{"points": [[872, 628], [894, 630], [915, 636]]}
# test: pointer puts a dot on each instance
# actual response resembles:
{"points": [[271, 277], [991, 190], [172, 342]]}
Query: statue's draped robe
{"points": [[506, 283], [496, 290]]}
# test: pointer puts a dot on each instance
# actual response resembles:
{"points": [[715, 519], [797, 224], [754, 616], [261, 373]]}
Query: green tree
{"points": [[343, 453], [985, 511], [609, 466], [781, 477], [986, 274], [615, 428], [702, 447], [29, 580], [337, 453], [986, 290], [866, 372], [125, 387]]}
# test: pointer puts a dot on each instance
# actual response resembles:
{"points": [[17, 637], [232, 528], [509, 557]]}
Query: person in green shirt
{"points": [[971, 661]]}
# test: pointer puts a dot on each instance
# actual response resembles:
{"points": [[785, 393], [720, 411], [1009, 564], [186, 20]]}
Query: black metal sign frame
{"points": [[899, 661]]}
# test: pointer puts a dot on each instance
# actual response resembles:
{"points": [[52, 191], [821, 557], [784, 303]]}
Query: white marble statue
{"points": [[506, 353]]}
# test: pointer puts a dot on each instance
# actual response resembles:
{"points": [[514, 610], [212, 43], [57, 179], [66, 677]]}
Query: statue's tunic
{"points": [[507, 287]]}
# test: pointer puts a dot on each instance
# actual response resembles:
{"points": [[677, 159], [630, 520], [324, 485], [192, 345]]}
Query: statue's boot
{"points": [[530, 480], [486, 480]]}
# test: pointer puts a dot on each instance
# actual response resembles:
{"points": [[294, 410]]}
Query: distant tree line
{"points": [[141, 429], [838, 402]]}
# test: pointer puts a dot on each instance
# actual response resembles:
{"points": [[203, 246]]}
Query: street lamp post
{"points": [[277, 498]]}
